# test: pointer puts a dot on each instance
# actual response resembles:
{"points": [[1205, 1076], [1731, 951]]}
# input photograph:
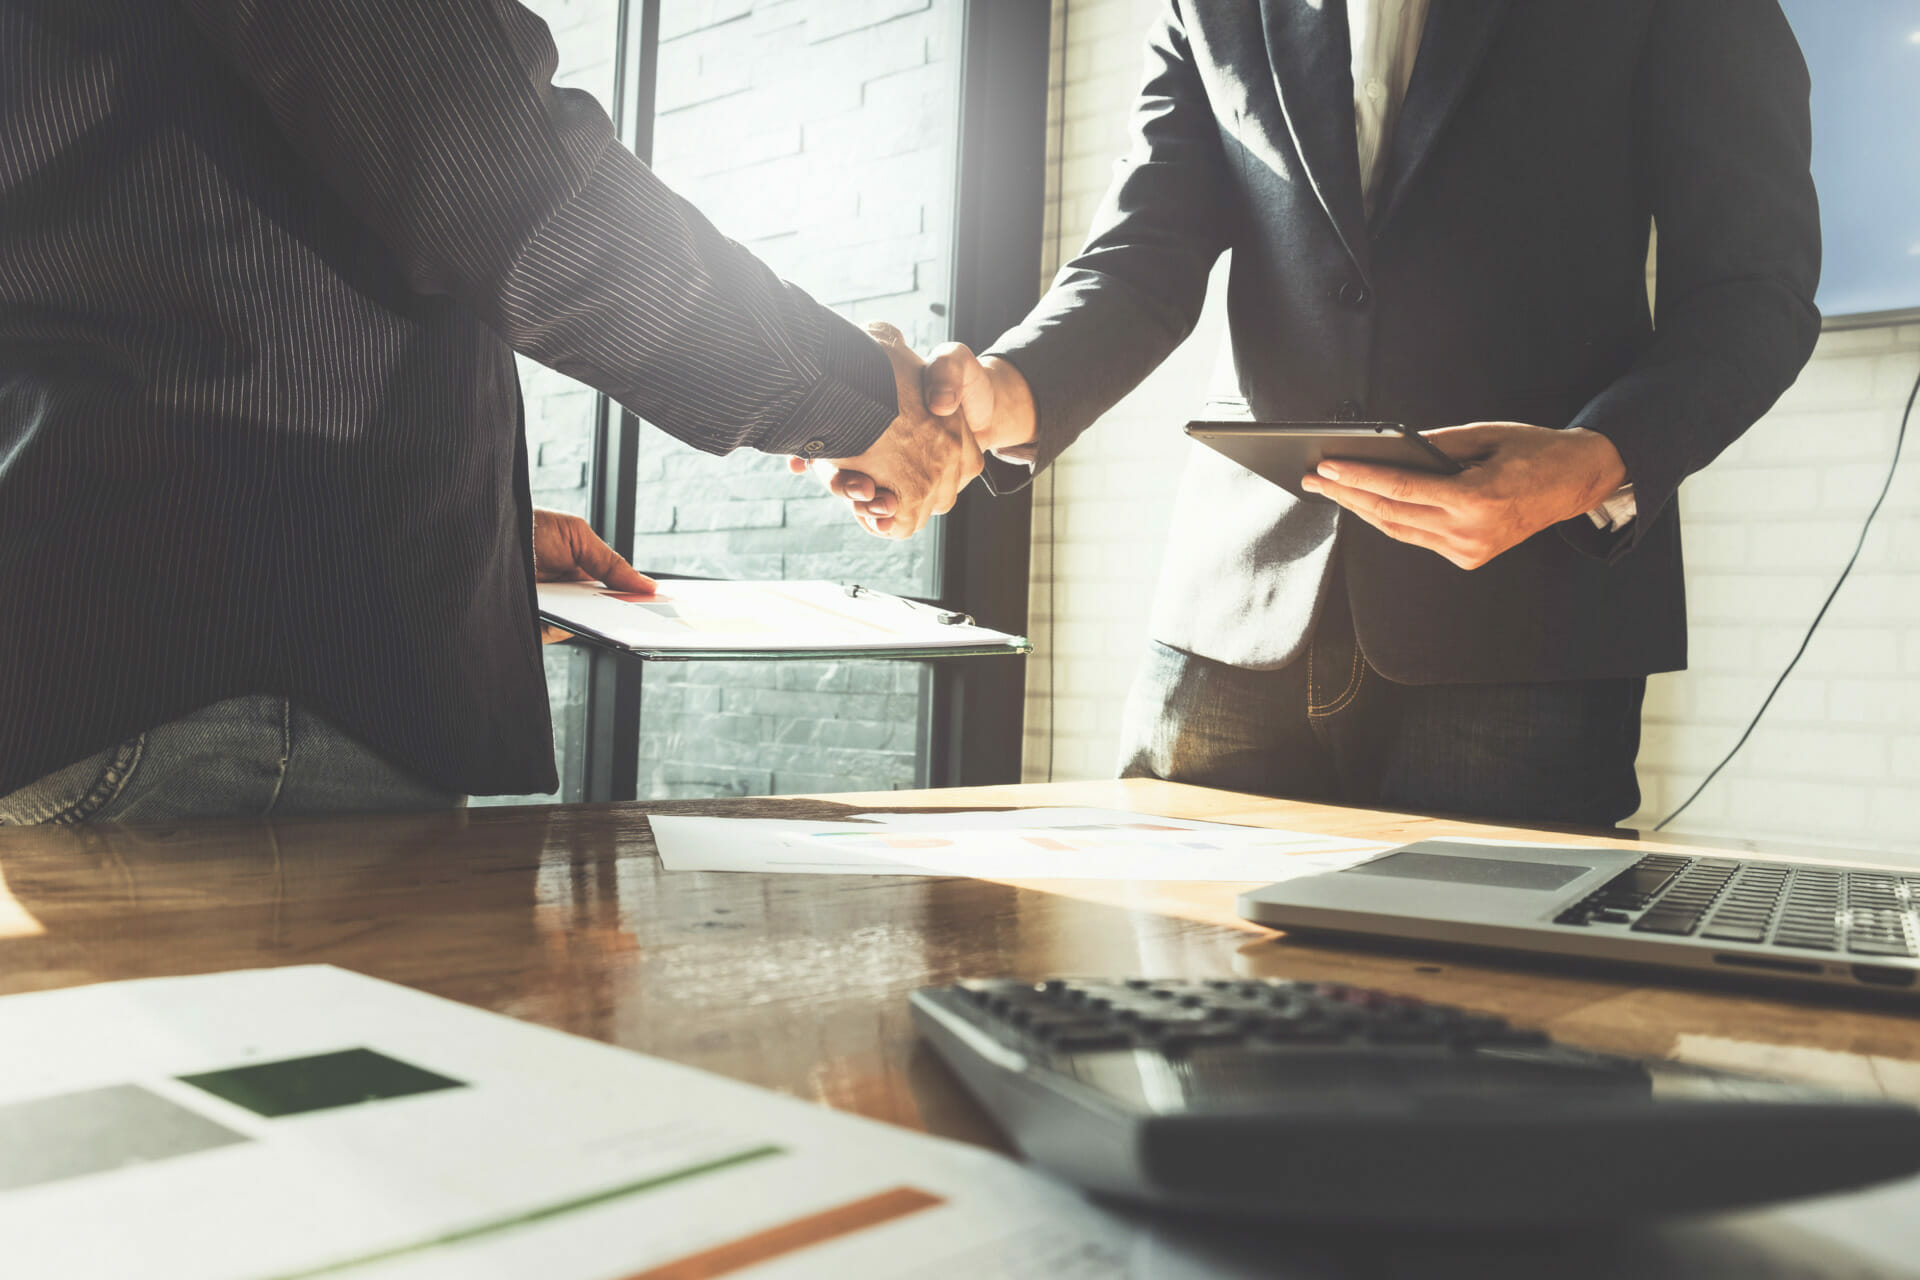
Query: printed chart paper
{"points": [[1021, 844], [310, 1122], [695, 617]]}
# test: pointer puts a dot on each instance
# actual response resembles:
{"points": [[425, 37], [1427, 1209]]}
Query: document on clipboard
{"points": [[700, 618]]}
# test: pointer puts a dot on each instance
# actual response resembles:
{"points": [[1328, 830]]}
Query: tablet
{"points": [[1283, 452]]}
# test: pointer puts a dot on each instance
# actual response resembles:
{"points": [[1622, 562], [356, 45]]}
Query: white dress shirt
{"points": [[1385, 39], [1385, 36]]}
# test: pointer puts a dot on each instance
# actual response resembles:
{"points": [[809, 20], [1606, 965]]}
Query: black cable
{"points": [[1053, 611], [1898, 440]]}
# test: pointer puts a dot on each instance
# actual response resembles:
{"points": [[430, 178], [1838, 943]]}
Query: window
{"points": [[843, 144]]}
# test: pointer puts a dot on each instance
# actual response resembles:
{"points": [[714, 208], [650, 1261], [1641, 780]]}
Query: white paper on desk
{"points": [[1024, 844], [691, 616], [551, 1156], [556, 1157]]}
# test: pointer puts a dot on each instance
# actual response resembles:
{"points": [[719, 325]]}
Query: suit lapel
{"points": [[1307, 46], [1456, 39]]}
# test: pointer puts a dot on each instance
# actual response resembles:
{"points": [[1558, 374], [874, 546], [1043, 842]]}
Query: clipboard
{"points": [[690, 619]]}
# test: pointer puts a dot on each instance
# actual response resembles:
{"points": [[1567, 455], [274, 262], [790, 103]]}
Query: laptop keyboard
{"points": [[1808, 908]]}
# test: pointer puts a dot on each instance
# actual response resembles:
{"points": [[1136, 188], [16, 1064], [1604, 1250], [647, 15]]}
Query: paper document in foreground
{"points": [[293, 1124], [1021, 844], [692, 616], [309, 1122]]}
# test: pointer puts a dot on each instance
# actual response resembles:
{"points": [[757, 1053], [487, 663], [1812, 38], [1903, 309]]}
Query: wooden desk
{"points": [[563, 916]]}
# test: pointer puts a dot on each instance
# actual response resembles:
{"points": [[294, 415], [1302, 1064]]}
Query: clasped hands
{"points": [[1517, 479], [950, 415]]}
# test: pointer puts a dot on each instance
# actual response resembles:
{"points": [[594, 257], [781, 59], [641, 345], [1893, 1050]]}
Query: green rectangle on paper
{"points": [[322, 1082]]}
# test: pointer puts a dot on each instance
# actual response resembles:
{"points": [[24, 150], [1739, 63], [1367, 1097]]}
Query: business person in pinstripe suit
{"points": [[266, 541], [1438, 214]]}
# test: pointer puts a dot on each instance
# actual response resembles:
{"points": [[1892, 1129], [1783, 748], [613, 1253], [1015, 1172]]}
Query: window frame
{"points": [[972, 725]]}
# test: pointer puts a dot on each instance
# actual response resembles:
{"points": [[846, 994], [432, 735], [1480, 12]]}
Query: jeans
{"points": [[1328, 727], [255, 756]]}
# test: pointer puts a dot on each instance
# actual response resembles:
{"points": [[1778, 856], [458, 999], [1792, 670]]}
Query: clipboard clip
{"points": [[946, 617]]}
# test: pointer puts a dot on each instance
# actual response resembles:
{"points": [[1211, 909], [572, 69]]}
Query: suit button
{"points": [[1347, 411], [1353, 294]]}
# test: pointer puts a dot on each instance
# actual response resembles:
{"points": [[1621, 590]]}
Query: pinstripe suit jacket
{"points": [[1501, 277], [263, 268]]}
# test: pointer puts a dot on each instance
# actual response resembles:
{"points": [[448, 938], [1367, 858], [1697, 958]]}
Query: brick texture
{"points": [[822, 138], [1777, 516], [1767, 529], [1101, 513], [819, 133]]}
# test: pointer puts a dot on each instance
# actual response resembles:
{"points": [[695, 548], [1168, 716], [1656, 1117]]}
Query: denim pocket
{"points": [[77, 793], [113, 780], [1334, 675]]}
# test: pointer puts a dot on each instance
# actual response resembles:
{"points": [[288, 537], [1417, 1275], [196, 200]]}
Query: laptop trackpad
{"points": [[1452, 880], [1459, 868]]}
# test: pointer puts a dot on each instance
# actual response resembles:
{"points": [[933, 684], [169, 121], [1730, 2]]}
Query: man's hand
{"points": [[917, 468], [991, 394], [566, 549], [1518, 481]]}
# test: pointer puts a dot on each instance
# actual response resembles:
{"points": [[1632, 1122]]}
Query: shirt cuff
{"points": [[1617, 512], [850, 407]]}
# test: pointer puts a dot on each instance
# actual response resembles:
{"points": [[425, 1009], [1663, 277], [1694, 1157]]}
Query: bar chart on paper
{"points": [[305, 1122]]}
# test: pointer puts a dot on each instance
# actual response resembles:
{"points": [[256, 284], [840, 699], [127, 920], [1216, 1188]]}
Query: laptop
{"points": [[1806, 922]]}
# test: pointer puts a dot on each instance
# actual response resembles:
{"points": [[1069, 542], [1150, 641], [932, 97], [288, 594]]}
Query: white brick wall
{"points": [[1767, 528], [1101, 513], [821, 134]]}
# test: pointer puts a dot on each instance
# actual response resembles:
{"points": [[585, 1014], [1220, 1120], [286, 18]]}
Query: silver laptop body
{"points": [[1809, 922]]}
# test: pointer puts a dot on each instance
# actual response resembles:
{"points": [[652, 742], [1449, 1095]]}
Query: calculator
{"points": [[1326, 1103]]}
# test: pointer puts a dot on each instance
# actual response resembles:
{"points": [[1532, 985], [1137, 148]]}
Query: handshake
{"points": [[952, 409]]}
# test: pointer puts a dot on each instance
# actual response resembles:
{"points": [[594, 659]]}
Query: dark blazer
{"points": [[1502, 277]]}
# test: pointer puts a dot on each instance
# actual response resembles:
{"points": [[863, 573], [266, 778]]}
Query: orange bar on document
{"points": [[791, 1237]]}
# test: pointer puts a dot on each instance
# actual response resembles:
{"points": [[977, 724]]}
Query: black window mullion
{"points": [[610, 747], [974, 732]]}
